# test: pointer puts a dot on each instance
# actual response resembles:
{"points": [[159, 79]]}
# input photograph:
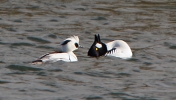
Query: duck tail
{"points": [[36, 62]]}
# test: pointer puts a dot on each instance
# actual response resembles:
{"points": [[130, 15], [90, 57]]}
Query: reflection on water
{"points": [[30, 29]]}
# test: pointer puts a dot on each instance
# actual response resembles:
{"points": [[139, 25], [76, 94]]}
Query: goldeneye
{"points": [[116, 48]]}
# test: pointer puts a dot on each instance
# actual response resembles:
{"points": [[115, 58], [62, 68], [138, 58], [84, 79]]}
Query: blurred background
{"points": [[29, 29]]}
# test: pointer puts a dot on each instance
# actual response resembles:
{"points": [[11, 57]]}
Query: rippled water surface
{"points": [[29, 29]]}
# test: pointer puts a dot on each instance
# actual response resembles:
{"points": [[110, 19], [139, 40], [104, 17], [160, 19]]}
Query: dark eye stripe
{"points": [[65, 42]]}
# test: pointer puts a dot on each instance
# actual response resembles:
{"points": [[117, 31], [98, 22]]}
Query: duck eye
{"points": [[76, 45], [96, 49]]}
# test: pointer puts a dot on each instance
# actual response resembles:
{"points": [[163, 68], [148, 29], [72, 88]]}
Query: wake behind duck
{"points": [[116, 48]]}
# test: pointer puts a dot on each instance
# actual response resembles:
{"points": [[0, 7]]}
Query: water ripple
{"points": [[23, 68]]}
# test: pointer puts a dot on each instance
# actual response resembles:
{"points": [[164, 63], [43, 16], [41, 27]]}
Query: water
{"points": [[32, 28]]}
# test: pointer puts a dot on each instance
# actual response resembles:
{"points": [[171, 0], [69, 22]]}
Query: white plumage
{"points": [[67, 46], [119, 48]]}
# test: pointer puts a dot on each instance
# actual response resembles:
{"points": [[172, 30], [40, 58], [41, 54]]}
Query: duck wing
{"points": [[114, 52], [120, 53], [119, 48], [52, 57], [44, 56], [117, 52]]}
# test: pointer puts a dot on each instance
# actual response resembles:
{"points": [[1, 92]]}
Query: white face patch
{"points": [[98, 45]]}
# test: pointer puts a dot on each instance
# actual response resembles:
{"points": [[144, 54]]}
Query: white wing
{"points": [[54, 57], [119, 48]]}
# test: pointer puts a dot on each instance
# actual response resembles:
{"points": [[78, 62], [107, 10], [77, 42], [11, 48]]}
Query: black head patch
{"points": [[94, 51], [65, 42]]}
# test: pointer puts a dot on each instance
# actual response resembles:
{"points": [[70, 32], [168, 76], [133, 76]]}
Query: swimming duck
{"points": [[67, 47], [116, 48]]}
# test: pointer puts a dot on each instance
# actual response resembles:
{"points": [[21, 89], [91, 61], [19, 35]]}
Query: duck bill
{"points": [[80, 46]]}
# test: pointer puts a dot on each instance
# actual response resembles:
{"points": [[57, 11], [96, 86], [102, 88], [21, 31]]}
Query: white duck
{"points": [[66, 55], [116, 48]]}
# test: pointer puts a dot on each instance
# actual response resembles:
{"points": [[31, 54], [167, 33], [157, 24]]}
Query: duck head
{"points": [[70, 44], [98, 48]]}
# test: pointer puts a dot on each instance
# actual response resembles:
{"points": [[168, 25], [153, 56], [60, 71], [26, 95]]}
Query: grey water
{"points": [[31, 28]]}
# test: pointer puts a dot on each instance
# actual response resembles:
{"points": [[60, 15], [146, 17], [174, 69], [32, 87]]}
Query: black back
{"points": [[100, 51]]}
